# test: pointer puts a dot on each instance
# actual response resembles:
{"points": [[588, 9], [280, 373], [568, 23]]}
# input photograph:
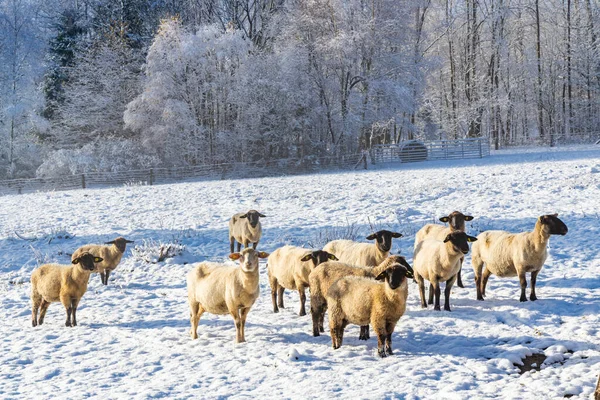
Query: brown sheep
{"points": [[363, 301], [65, 283]]}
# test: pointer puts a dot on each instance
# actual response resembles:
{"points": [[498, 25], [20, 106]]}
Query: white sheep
{"points": [[356, 253], [65, 283], [245, 228], [456, 221], [288, 268], [224, 289], [110, 254], [323, 276], [363, 301], [508, 254], [439, 261]]}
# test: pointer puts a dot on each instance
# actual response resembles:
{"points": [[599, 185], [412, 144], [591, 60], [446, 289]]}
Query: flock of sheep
{"points": [[357, 283]]}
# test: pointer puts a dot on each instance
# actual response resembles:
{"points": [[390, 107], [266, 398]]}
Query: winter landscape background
{"points": [[111, 85], [132, 340]]}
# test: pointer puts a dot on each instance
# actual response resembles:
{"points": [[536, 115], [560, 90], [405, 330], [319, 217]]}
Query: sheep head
{"points": [[384, 239], [460, 241], [395, 274], [249, 259], [87, 261], [553, 224], [318, 257], [456, 220], [120, 243], [253, 216]]}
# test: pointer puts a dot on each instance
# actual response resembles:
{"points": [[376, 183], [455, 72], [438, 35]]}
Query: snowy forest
{"points": [[111, 85]]}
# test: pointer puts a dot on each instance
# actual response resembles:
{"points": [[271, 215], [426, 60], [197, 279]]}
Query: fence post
{"points": [[480, 155], [83, 181], [151, 175]]}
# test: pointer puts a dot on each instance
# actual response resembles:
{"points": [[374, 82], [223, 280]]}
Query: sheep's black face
{"points": [[120, 243], [319, 257], [253, 217], [394, 275], [554, 224], [460, 241], [86, 260], [384, 239], [456, 220]]}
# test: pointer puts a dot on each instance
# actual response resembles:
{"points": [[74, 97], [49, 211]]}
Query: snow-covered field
{"points": [[132, 340]]}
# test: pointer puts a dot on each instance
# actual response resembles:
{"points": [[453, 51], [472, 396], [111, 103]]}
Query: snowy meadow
{"points": [[132, 340]]}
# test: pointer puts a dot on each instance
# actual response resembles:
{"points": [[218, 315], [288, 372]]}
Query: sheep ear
{"points": [[333, 257], [262, 215], [371, 236], [447, 238], [555, 215], [381, 276], [111, 242], [306, 257], [468, 218], [444, 219], [263, 254], [98, 259], [75, 261], [396, 235], [129, 241], [471, 239], [244, 216], [235, 256]]}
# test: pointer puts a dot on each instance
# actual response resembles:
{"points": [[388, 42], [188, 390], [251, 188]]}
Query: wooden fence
{"points": [[414, 150], [289, 166]]}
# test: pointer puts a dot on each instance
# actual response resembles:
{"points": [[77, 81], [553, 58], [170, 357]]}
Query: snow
{"points": [[132, 340]]}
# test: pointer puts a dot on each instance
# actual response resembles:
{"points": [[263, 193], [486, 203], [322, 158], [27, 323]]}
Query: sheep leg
{"points": [[196, 311], [74, 304], [106, 275], [484, 281], [36, 301], [254, 245], [459, 281], [430, 301], [322, 319], [239, 247], [238, 325], [421, 290], [243, 315], [364, 333], [302, 292], [534, 275], [381, 339], [43, 309], [523, 282], [274, 288], [447, 291], [437, 293], [102, 277], [389, 327], [280, 290]]}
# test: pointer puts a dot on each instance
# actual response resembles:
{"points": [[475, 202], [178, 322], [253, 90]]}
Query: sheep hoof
{"points": [[523, 299], [68, 324], [321, 329], [381, 353], [33, 323], [480, 298], [389, 352], [316, 333], [533, 297], [460, 285], [447, 309], [276, 310], [437, 308], [423, 305], [302, 313]]}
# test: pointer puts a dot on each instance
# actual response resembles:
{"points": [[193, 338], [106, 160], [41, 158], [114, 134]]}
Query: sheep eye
{"points": [[96, 259]]}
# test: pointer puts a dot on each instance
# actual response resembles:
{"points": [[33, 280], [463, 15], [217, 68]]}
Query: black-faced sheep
{"points": [[456, 222], [508, 254], [111, 255], [439, 261], [245, 228], [65, 283], [363, 254], [288, 268], [363, 301]]}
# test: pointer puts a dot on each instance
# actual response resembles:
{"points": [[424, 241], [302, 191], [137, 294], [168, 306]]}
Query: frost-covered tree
{"points": [[185, 111]]}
